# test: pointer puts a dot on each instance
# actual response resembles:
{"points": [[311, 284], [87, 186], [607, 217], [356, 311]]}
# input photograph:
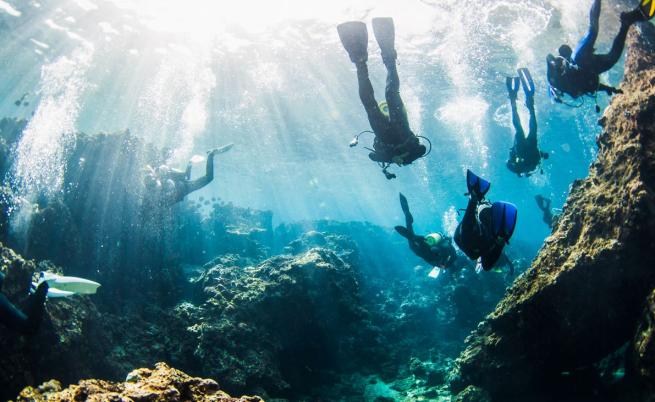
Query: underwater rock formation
{"points": [[583, 295], [161, 384], [274, 324], [67, 344]]}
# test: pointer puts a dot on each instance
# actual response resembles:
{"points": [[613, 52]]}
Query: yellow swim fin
{"points": [[648, 8]]}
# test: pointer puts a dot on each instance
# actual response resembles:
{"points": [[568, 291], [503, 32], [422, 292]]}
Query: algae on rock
{"points": [[583, 295]]}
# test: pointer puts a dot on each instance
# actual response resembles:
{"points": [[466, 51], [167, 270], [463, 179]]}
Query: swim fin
{"points": [[69, 284], [476, 185], [513, 84], [647, 8], [527, 82], [354, 38], [385, 35], [405, 206], [403, 231], [504, 215]]}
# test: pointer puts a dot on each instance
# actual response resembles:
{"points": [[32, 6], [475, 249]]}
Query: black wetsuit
{"points": [[175, 184], [524, 156], [394, 140], [442, 255], [474, 235], [26, 322], [578, 75], [544, 205]]}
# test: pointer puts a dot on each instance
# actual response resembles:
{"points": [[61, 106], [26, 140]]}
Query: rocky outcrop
{"points": [[67, 345], [161, 384], [584, 293]]}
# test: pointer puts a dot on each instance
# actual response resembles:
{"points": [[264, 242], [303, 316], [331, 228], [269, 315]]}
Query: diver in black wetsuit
{"points": [[436, 248], [576, 73], [173, 185], [394, 140], [26, 322], [485, 228], [524, 156], [544, 205]]}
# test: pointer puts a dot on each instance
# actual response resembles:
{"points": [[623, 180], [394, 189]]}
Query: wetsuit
{"points": [[394, 140], [578, 75], [441, 255], [524, 156], [26, 322], [544, 205], [474, 234], [174, 184]]}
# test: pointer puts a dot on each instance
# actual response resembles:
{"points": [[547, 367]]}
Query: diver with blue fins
{"points": [[435, 248], [486, 227], [524, 156], [577, 73], [394, 140]]}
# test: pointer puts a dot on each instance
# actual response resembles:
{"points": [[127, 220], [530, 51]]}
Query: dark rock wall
{"points": [[585, 291]]}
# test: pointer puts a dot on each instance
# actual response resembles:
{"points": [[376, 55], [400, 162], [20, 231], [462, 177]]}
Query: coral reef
{"points": [[161, 384], [582, 298]]}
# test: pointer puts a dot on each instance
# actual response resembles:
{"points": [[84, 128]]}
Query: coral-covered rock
{"points": [[161, 384], [67, 344], [277, 323], [583, 295]]}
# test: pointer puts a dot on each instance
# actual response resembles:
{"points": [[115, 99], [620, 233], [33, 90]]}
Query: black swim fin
{"points": [[405, 206], [385, 35], [403, 231], [647, 8], [527, 82], [354, 38], [513, 84]]}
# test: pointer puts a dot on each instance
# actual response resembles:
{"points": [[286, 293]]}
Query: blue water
{"points": [[274, 80]]}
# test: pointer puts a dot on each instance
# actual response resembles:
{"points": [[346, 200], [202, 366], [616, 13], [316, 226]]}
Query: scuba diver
{"points": [[524, 156], [436, 248], [576, 73], [394, 141], [549, 218], [485, 228], [26, 321], [173, 184]]}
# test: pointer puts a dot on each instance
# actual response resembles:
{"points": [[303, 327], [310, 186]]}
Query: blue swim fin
{"points": [[476, 185], [504, 215], [526, 80]]}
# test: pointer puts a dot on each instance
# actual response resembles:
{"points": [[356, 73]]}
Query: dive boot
{"points": [[385, 34], [354, 38]]}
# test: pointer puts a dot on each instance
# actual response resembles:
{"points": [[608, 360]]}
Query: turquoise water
{"points": [[275, 81]]}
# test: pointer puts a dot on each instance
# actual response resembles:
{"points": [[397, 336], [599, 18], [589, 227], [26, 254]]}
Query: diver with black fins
{"points": [[549, 218], [577, 73], [485, 228], [524, 156], [394, 141], [435, 248], [26, 321]]}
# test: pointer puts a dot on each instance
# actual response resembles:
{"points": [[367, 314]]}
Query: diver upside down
{"points": [[394, 140]]}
